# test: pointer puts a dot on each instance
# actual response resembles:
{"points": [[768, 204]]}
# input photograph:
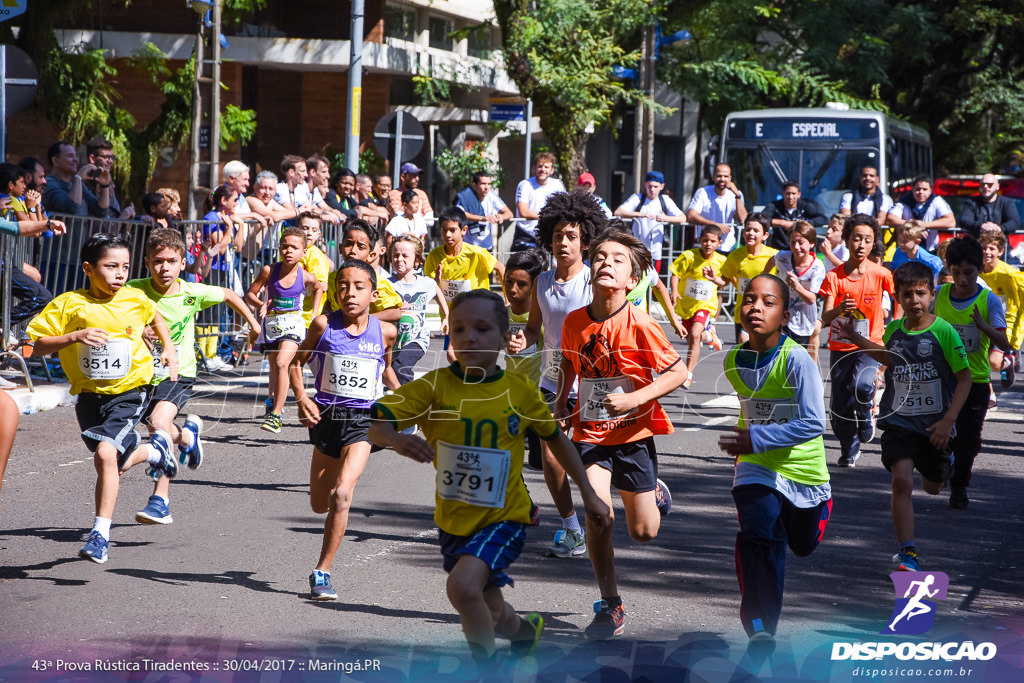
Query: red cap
{"points": [[586, 178]]}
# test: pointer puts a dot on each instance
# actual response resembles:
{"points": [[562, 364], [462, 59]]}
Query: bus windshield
{"points": [[761, 169]]}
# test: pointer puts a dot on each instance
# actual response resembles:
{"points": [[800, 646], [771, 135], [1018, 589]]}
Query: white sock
{"points": [[165, 500], [187, 439], [155, 456], [102, 525], [571, 522]]}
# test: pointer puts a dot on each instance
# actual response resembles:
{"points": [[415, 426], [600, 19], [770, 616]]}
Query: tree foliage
{"points": [[952, 66], [560, 54], [460, 166]]}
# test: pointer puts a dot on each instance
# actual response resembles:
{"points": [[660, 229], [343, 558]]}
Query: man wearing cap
{"points": [[484, 210], [531, 196], [721, 204], [588, 183], [410, 180], [650, 211]]}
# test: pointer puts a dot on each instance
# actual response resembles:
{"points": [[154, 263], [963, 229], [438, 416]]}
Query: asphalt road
{"points": [[220, 594]]}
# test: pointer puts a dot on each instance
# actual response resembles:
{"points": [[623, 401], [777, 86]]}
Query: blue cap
{"points": [[410, 167], [656, 176]]}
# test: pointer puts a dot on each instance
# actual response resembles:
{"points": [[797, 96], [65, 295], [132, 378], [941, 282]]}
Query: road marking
{"points": [[711, 423], [387, 550], [730, 401]]}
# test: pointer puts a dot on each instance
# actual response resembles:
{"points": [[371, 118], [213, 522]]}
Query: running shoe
{"points": [[193, 457], [608, 622], [848, 460], [1007, 374], [716, 343], [268, 407], [568, 543], [663, 497], [95, 548], [761, 637], [958, 499], [867, 430], [688, 382], [155, 512], [272, 423], [320, 587], [906, 561], [993, 402], [534, 514], [526, 646], [161, 441]]}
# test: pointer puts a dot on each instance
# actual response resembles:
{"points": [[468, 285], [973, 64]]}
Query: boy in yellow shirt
{"points": [[695, 296], [747, 262], [313, 261], [98, 335], [1008, 284]]}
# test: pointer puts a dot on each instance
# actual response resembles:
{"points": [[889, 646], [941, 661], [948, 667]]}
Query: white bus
{"points": [[821, 149]]}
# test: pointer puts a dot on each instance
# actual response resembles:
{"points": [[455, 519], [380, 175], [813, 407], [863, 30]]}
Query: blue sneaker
{"points": [[663, 497], [906, 561], [320, 587], [161, 440], [155, 512], [95, 548], [192, 457]]}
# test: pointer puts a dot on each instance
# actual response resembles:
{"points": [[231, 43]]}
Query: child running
{"points": [[565, 225], [909, 236], [833, 248], [98, 335], [178, 302], [521, 271], [281, 314], [977, 315], [927, 381], [1008, 284], [695, 297], [482, 503], [362, 242], [352, 349], [781, 484], [314, 261], [804, 274], [854, 291], [743, 263], [416, 292], [613, 347]]}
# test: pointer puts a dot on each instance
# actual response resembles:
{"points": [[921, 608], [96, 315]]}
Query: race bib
{"points": [[350, 377], [552, 363], [593, 392], [767, 411], [452, 288], [917, 398], [110, 361], [159, 370], [860, 325], [701, 290], [970, 336], [284, 324], [516, 328], [472, 474]]}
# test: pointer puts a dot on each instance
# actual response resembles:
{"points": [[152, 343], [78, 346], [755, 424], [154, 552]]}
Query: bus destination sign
{"points": [[801, 129]]}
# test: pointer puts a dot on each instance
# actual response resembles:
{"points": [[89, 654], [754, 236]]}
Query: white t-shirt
{"points": [[299, 197], [400, 225], [936, 210], [412, 326], [866, 206], [649, 230], [802, 315], [720, 209], [557, 300], [535, 196]]}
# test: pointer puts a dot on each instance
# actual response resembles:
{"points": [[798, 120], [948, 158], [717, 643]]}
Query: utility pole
{"points": [[205, 148], [355, 87]]}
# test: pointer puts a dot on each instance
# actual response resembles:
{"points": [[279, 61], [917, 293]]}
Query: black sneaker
{"points": [[608, 621], [848, 460], [958, 498], [534, 627]]}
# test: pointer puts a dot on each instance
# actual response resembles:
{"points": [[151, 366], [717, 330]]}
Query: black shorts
{"points": [[338, 427], [276, 344], [179, 393], [634, 465], [112, 419], [549, 398], [801, 339], [899, 444]]}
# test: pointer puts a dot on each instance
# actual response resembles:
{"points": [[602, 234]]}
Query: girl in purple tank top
{"points": [[353, 350], [281, 314]]}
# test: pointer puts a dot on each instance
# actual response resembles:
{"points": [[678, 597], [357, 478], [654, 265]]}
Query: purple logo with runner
{"points": [[916, 593]]}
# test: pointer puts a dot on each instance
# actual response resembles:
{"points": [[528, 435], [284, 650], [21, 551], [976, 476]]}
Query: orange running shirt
{"points": [[867, 292], [616, 355]]}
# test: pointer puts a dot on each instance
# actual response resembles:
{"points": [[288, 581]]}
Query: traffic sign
{"points": [[11, 8], [388, 130], [507, 109]]}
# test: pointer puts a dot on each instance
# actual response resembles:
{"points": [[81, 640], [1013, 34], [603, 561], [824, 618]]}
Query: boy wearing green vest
{"points": [[781, 483], [977, 315], [927, 382]]}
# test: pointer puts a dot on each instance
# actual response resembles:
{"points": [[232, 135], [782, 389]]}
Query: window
{"points": [[440, 30], [480, 43], [400, 23]]}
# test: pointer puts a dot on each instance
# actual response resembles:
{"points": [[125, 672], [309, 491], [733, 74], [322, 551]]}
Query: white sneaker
{"points": [[215, 364], [6, 383]]}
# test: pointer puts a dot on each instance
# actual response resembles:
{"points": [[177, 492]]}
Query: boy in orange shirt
{"points": [[613, 348], [853, 297]]}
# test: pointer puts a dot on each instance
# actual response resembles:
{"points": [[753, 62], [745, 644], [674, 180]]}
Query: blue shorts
{"points": [[498, 545]]}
